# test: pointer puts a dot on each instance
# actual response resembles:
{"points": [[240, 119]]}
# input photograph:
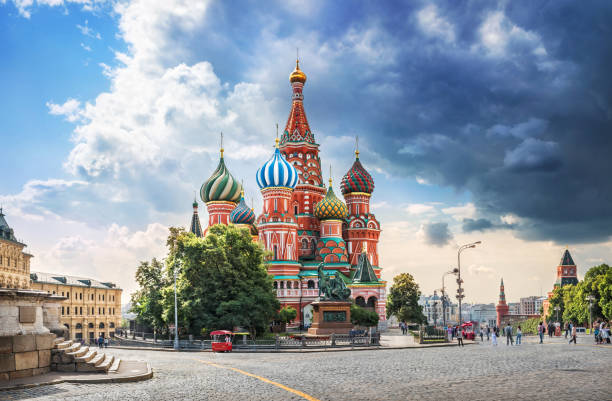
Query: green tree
{"points": [[363, 317], [223, 282], [148, 301], [287, 314], [402, 300]]}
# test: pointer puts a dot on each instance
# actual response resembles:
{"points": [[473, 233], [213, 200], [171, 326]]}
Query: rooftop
{"points": [[52, 278]]}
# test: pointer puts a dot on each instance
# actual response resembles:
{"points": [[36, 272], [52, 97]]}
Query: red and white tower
{"points": [[277, 227], [299, 148], [362, 229], [502, 307]]}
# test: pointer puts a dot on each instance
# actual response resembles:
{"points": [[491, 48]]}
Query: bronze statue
{"points": [[332, 289]]}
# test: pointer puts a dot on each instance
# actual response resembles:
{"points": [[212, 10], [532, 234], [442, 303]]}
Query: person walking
{"points": [[449, 333], [519, 335], [541, 332], [106, 343], [488, 332], [459, 337], [481, 335], [509, 340], [573, 335], [493, 338], [566, 328]]}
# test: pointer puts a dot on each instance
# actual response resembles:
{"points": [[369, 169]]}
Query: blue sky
{"points": [[479, 120]]}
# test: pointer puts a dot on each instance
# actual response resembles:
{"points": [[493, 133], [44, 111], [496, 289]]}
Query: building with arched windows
{"points": [[303, 222]]}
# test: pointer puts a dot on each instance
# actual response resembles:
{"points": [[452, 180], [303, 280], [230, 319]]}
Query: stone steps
{"points": [[115, 366], [69, 356]]}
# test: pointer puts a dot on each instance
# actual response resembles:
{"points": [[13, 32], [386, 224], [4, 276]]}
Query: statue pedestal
{"points": [[331, 317]]}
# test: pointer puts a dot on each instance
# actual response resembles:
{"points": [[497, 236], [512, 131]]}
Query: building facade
{"points": [[14, 262], [302, 222], [436, 313], [91, 309]]}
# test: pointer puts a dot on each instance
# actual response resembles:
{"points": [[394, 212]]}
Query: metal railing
{"points": [[279, 343]]}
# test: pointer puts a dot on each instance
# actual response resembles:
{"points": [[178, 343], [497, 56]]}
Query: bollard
{"points": [[276, 342], [303, 342], [333, 340]]}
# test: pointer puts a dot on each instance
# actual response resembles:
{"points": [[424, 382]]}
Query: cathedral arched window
{"points": [[282, 285], [296, 285], [311, 284], [275, 285], [304, 243]]}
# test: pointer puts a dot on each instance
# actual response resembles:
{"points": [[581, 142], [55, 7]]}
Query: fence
{"points": [[431, 334], [249, 345]]}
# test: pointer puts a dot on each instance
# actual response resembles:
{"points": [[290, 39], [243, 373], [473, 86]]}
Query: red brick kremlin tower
{"points": [[302, 222], [502, 308], [566, 274]]}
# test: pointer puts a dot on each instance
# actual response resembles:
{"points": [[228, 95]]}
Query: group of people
{"points": [[601, 332], [404, 327]]}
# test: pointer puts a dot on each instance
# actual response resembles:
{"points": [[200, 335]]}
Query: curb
{"points": [[89, 380]]}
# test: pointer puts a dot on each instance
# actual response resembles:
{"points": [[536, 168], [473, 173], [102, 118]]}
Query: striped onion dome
{"points": [[242, 214], [221, 186], [277, 172], [330, 207], [357, 179]]}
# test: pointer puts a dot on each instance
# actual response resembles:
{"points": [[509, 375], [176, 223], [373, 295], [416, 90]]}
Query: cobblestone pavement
{"points": [[475, 372]]}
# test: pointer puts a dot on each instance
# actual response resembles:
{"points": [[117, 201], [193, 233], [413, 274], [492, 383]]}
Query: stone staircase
{"points": [[68, 356]]}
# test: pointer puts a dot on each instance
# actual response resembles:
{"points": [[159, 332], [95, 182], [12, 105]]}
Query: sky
{"points": [[478, 120]]}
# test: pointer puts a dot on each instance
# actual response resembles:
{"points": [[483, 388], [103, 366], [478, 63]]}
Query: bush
{"points": [[363, 317]]}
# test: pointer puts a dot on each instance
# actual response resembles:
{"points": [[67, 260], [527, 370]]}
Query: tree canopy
{"points": [[572, 299], [363, 317], [403, 298], [222, 283]]}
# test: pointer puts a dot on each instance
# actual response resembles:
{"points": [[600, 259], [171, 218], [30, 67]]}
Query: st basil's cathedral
{"points": [[303, 222]]}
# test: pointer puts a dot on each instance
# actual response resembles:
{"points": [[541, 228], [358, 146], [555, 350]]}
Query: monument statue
{"points": [[332, 289]]}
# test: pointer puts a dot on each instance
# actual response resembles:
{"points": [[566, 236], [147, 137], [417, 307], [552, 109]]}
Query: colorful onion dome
{"points": [[297, 75], [277, 172], [221, 186], [357, 179], [242, 214], [330, 207]]}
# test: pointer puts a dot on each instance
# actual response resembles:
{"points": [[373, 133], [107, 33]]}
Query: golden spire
{"points": [[330, 176], [297, 75], [356, 147], [222, 145], [276, 135]]}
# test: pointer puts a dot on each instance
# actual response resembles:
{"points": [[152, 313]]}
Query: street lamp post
{"points": [[176, 340], [444, 297], [460, 295], [557, 309], [590, 298]]}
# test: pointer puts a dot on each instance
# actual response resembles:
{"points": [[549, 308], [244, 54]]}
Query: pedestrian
{"points": [[449, 332], [519, 335], [509, 340], [459, 337], [566, 328], [551, 329], [541, 332], [596, 334], [106, 343], [488, 332], [604, 333], [481, 335], [100, 342], [573, 335], [493, 338]]}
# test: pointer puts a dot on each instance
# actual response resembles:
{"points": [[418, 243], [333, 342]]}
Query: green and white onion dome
{"points": [[221, 186]]}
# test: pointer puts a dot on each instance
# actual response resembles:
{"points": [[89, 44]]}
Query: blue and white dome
{"points": [[277, 172]]}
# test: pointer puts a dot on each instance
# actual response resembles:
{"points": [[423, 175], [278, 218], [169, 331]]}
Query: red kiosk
{"points": [[222, 340]]}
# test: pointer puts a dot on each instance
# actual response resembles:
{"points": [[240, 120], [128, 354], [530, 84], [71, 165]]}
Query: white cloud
{"points": [[433, 24], [85, 47], [466, 211], [476, 270], [419, 208], [70, 109], [87, 31], [422, 181], [499, 37]]}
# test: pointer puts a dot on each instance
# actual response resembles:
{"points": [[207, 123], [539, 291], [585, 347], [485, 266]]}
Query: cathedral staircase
{"points": [[69, 356]]}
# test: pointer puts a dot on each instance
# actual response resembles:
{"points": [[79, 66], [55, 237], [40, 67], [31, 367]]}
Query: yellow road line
{"points": [[263, 379]]}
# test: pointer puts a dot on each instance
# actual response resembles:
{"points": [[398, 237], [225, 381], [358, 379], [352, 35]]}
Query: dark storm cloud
{"points": [[437, 234], [470, 225], [510, 101]]}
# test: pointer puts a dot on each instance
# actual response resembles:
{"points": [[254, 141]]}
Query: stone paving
{"points": [[554, 370]]}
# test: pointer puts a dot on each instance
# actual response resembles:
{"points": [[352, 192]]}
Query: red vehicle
{"points": [[222, 340], [468, 330]]}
